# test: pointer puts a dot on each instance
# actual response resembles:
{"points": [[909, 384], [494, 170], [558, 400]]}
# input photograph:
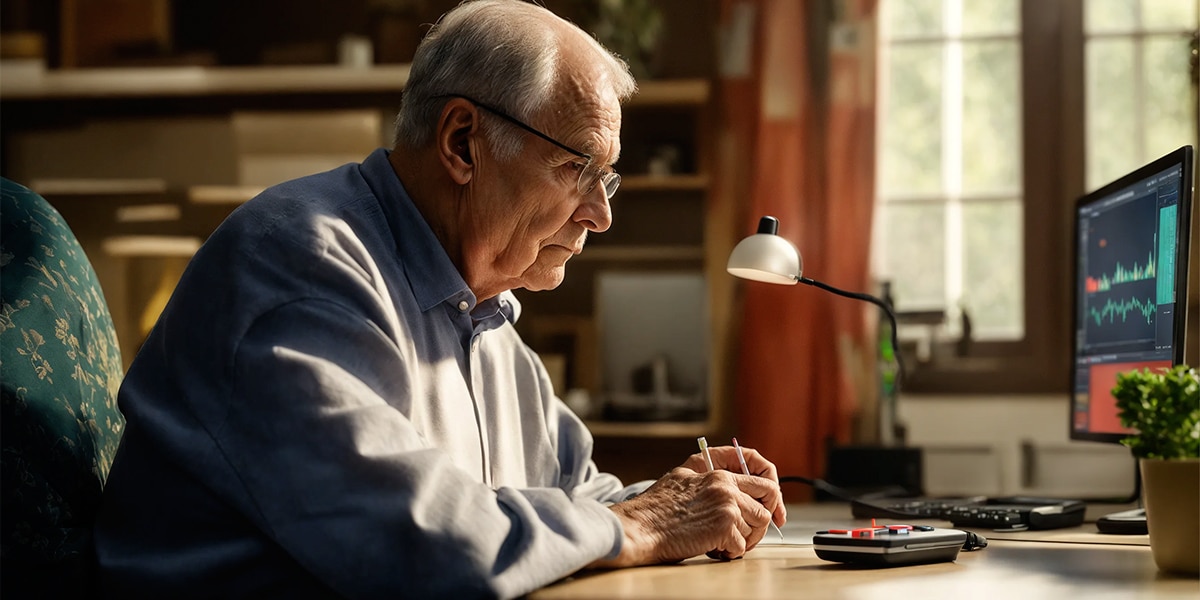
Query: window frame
{"points": [[1054, 176]]}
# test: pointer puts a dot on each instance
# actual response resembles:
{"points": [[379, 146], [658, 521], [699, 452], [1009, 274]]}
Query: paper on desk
{"points": [[800, 533]]}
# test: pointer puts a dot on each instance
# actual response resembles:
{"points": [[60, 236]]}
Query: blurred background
{"points": [[928, 151]]}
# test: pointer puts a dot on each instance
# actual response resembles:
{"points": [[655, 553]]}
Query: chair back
{"points": [[60, 367]]}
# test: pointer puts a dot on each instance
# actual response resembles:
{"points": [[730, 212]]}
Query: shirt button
{"points": [[462, 305]]}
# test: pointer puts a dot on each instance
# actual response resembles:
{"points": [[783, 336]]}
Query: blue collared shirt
{"points": [[325, 408]]}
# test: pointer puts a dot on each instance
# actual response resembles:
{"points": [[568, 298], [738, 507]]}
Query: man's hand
{"points": [[689, 512], [725, 457]]}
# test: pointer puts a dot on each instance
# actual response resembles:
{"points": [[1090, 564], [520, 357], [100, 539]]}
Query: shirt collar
{"points": [[432, 276], [505, 304]]}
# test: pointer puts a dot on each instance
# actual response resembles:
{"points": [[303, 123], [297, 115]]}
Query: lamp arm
{"points": [[873, 300]]}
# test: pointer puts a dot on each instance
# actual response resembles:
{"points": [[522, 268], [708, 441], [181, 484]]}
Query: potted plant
{"points": [[1163, 407]]}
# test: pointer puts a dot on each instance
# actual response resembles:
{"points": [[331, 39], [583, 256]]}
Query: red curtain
{"points": [[797, 91]]}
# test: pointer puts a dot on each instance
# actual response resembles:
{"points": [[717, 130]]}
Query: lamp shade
{"points": [[766, 257]]}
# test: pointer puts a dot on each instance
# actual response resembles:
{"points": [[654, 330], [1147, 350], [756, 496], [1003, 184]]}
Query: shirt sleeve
{"points": [[343, 481], [575, 445]]}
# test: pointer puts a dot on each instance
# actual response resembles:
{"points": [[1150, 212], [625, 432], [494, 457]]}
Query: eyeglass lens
{"points": [[592, 175]]}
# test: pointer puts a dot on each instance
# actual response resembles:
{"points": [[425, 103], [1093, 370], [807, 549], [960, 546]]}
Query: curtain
{"points": [[796, 94]]}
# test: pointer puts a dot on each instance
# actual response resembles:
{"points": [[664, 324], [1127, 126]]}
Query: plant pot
{"points": [[1171, 490]]}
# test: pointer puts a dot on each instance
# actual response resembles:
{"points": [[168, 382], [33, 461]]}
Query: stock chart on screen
{"points": [[1128, 251]]}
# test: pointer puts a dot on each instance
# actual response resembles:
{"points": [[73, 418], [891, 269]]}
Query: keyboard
{"points": [[1009, 513]]}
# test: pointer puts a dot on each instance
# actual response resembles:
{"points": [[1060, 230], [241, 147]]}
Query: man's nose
{"points": [[595, 213]]}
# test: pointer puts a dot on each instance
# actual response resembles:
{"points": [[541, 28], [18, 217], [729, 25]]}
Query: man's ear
{"points": [[456, 131]]}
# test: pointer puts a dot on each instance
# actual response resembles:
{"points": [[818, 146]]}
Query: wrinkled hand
{"points": [[690, 511]]}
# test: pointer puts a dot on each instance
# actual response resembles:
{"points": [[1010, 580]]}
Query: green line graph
{"points": [[1114, 308]]}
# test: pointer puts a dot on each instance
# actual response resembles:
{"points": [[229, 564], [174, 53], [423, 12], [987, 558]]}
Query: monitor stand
{"points": [[1126, 522]]}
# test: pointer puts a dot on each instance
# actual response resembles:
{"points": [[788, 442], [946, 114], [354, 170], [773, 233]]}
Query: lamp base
{"points": [[894, 471]]}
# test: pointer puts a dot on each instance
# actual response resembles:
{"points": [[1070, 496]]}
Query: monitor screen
{"points": [[1131, 252]]}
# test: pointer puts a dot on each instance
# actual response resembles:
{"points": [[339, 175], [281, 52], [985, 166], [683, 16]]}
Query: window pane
{"points": [[1109, 15], [1112, 111], [912, 145], [1168, 109], [993, 284], [914, 253], [906, 18], [990, 17], [991, 145], [1168, 14]]}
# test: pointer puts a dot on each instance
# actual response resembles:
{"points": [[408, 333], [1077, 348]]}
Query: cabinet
{"points": [[652, 280]]}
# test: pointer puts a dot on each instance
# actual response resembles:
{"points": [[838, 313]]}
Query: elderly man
{"points": [[335, 401]]}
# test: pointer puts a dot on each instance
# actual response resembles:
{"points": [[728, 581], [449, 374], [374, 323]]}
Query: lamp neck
{"points": [[891, 315]]}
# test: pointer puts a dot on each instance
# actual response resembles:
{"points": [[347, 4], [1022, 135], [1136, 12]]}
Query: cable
{"points": [[891, 315]]}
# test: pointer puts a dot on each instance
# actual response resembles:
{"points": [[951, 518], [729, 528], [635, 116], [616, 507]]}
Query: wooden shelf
{"points": [[97, 187], [671, 92], [641, 253], [191, 81], [222, 194], [157, 82], [663, 183], [647, 429]]}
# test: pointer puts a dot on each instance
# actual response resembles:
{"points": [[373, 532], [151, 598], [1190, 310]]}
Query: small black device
{"points": [[1126, 522], [893, 545], [1019, 513], [1006, 513]]}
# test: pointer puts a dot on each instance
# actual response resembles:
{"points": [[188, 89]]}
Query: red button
{"points": [[865, 532], [839, 531], [900, 527]]}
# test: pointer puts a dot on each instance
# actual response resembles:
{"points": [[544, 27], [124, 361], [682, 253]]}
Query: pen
{"points": [[746, 470], [704, 451]]}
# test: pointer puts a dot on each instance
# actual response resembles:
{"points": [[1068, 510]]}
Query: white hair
{"points": [[499, 52]]}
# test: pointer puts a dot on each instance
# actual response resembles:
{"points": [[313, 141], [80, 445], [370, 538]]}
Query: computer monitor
{"points": [[1131, 253]]}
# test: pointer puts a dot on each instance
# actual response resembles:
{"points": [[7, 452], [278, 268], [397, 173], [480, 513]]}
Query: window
{"points": [[1139, 105], [950, 185], [995, 115]]}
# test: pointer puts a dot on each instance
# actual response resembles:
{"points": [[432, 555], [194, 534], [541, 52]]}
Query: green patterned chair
{"points": [[60, 367]]}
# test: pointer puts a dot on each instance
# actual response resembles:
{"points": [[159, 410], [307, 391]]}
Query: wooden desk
{"points": [[1023, 569]]}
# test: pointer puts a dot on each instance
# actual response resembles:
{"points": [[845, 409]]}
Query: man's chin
{"points": [[543, 280]]}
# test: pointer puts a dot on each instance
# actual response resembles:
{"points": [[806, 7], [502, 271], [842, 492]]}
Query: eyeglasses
{"points": [[589, 175]]}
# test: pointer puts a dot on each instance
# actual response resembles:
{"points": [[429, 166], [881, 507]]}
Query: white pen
{"points": [[704, 451], [746, 470]]}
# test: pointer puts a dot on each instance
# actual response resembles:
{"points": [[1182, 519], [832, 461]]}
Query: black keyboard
{"points": [[1012, 513]]}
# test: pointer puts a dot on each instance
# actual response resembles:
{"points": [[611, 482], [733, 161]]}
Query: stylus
{"points": [[746, 470], [704, 451]]}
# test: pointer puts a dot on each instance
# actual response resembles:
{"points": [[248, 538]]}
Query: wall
{"points": [[1005, 445]]}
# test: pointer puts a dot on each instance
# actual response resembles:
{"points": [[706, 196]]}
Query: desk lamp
{"points": [[768, 257]]}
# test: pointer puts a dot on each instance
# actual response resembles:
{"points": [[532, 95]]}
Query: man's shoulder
{"points": [[301, 207], [328, 189]]}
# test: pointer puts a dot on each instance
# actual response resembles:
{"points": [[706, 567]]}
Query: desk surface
{"points": [[1090, 565]]}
